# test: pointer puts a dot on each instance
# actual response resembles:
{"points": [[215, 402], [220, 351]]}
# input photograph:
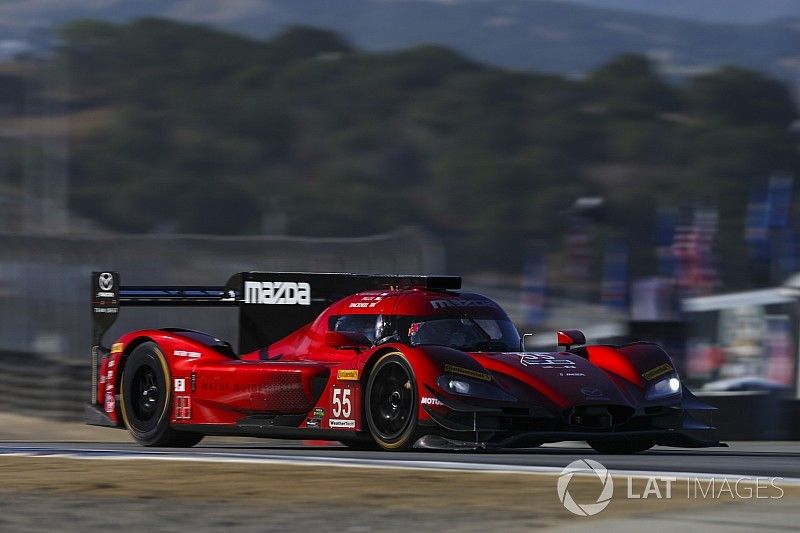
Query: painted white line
{"points": [[350, 462]]}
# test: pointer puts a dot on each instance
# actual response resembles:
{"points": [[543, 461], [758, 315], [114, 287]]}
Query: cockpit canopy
{"points": [[465, 333]]}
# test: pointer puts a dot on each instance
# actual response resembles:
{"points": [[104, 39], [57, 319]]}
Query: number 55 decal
{"points": [[341, 403], [344, 406]]}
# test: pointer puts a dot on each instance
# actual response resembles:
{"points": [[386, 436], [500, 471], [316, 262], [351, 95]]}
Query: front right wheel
{"points": [[391, 402]]}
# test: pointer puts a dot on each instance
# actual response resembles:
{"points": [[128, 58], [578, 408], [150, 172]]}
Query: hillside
{"points": [[548, 36], [183, 128]]}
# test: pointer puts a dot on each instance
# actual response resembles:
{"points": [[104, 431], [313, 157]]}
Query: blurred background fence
{"points": [[44, 294]]}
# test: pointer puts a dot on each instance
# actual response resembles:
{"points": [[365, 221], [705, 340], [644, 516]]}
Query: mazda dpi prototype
{"points": [[376, 361]]}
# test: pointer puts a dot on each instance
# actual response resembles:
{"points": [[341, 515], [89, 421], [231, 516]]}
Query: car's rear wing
{"points": [[271, 304]]}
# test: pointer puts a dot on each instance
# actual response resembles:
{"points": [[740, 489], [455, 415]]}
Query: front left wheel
{"points": [[391, 402], [146, 399]]}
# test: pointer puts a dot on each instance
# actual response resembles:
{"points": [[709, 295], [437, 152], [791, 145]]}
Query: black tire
{"points": [[391, 403], [617, 447], [146, 399]]}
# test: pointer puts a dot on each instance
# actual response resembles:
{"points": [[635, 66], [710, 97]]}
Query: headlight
{"points": [[475, 389], [662, 389]]}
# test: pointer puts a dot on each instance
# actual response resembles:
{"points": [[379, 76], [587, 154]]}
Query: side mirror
{"points": [[568, 337], [522, 341], [346, 340]]}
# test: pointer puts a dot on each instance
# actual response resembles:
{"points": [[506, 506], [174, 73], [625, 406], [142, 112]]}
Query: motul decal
{"points": [[430, 401]]}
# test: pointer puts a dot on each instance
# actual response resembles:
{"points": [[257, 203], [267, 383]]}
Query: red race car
{"points": [[375, 361]]}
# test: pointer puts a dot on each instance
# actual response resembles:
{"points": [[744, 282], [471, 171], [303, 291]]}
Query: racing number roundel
{"points": [[343, 407]]}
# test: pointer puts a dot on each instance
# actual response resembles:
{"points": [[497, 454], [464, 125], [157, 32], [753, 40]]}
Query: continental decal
{"points": [[347, 375], [116, 347], [653, 373], [467, 372]]}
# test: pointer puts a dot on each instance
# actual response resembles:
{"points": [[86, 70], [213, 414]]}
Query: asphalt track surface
{"points": [[766, 459]]}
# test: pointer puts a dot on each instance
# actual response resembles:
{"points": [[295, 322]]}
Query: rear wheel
{"points": [[391, 402], [147, 399], [620, 447]]}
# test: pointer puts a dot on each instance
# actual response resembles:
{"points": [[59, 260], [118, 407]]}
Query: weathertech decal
{"points": [[340, 424], [277, 292], [467, 372], [349, 375], [657, 371]]}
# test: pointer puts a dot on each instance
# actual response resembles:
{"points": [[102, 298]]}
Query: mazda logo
{"points": [[106, 281]]}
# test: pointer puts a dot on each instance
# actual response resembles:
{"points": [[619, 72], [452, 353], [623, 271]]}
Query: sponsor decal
{"points": [[108, 310], [347, 375], [277, 292], [183, 407], [462, 302], [592, 393], [337, 423], [657, 371], [453, 369], [109, 403], [544, 360], [180, 385], [116, 348], [319, 412], [111, 363], [312, 422], [359, 305], [184, 353], [105, 281], [430, 401], [572, 374]]}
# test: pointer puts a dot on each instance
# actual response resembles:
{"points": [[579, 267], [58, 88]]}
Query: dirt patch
{"points": [[14, 427], [533, 496]]}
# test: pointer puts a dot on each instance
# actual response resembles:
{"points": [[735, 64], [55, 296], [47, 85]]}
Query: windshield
{"points": [[465, 334]]}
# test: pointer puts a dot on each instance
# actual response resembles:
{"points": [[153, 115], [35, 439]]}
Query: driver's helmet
{"points": [[383, 328]]}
